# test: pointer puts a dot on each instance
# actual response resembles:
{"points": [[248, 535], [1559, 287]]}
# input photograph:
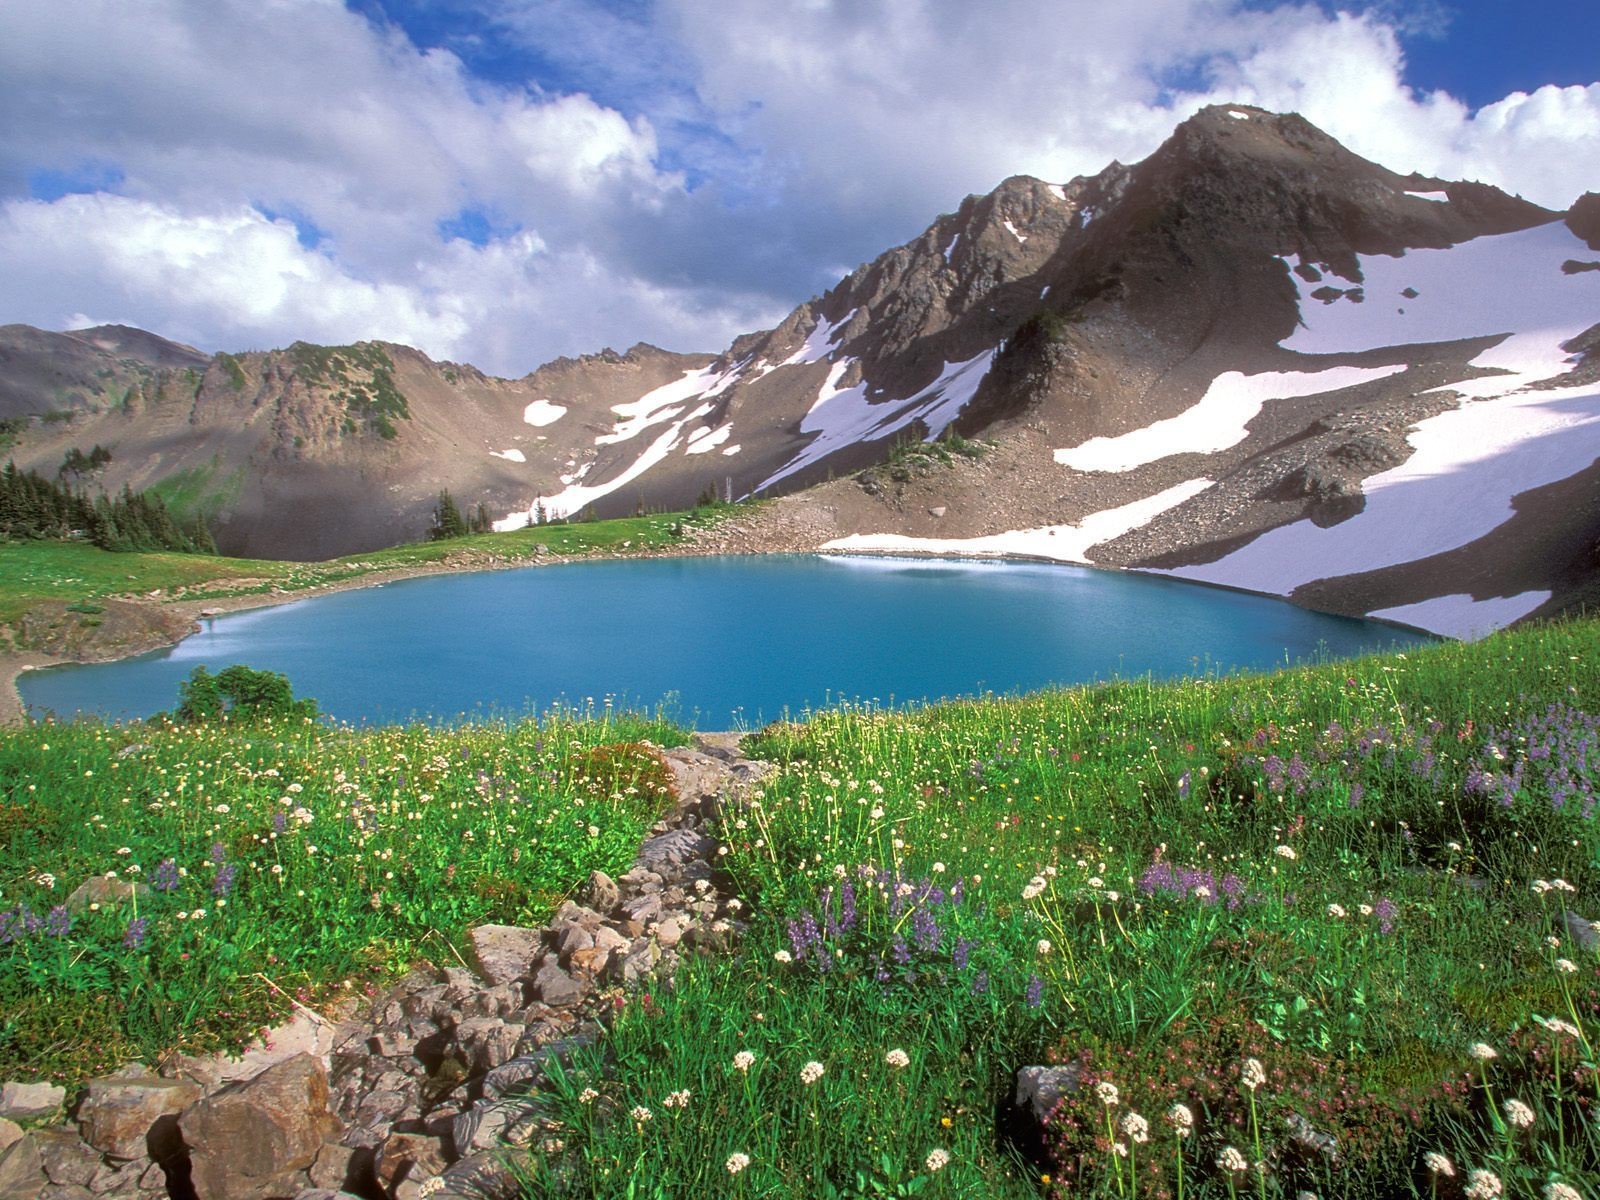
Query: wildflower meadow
{"points": [[1325, 932]]}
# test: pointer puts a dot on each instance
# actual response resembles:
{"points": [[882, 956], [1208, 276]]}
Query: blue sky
{"points": [[503, 181]]}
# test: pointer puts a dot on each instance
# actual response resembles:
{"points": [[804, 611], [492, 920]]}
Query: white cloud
{"points": [[741, 159]]}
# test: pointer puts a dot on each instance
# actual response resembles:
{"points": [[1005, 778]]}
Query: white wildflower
{"points": [[1252, 1074], [1106, 1092], [897, 1059], [737, 1161], [811, 1072], [1566, 966], [938, 1159], [1043, 947], [1556, 1190], [1135, 1127], [1231, 1160], [1286, 852], [1034, 889], [743, 1061], [1483, 1185], [783, 956], [1438, 1164], [1336, 911], [640, 1113], [1181, 1118], [1519, 1114], [1482, 1052], [588, 1096]]}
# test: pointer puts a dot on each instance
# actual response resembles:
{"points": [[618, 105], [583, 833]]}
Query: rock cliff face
{"points": [[1249, 359]]}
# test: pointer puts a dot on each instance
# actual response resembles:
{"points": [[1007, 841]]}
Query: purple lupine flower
{"points": [[134, 937], [218, 852], [1035, 993], [960, 954], [1356, 792], [924, 930], [9, 927], [165, 876], [223, 883], [361, 761], [1385, 910], [847, 907], [980, 983], [1183, 786], [59, 923], [1232, 887], [901, 952], [32, 922], [956, 892], [279, 822]]}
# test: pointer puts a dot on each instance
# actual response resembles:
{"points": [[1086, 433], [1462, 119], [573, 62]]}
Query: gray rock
{"points": [[503, 952], [669, 853], [671, 929], [409, 1156], [573, 938], [135, 1118], [31, 1101], [1581, 930], [485, 1175], [322, 1193], [640, 961], [643, 909], [575, 914], [10, 1132], [97, 889], [1040, 1088], [602, 894], [555, 987], [66, 1159]]}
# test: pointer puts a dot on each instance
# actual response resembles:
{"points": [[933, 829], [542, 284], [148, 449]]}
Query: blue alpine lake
{"points": [[721, 642]]}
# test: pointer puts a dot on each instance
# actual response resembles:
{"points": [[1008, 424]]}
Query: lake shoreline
{"points": [[761, 532]]}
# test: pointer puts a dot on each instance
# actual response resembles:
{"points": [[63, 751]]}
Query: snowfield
{"points": [[1468, 463], [1218, 422], [1060, 543], [1460, 616], [842, 416], [542, 412]]}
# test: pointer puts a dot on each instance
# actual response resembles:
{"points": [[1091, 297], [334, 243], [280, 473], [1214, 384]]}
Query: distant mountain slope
{"points": [[1253, 358]]}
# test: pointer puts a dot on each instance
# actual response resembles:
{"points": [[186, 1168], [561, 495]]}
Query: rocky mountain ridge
{"points": [[1252, 331]]}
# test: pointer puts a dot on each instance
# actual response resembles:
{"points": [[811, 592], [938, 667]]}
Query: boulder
{"points": [[10, 1132], [251, 1140], [31, 1101], [503, 952], [127, 1118]]}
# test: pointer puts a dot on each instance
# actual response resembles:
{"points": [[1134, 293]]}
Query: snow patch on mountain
{"points": [[819, 344], [704, 440], [1012, 229], [513, 455], [1468, 463], [1460, 616], [843, 416], [662, 404], [543, 412], [1436, 197], [1218, 422], [1059, 543]]}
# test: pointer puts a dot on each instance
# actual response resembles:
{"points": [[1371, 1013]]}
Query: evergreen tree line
{"points": [[448, 521], [33, 508]]}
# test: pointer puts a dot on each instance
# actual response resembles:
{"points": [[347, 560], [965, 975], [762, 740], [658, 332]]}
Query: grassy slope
{"points": [[1124, 905], [34, 571]]}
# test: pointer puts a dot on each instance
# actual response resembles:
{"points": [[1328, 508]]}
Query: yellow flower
{"points": [[945, 1121]]}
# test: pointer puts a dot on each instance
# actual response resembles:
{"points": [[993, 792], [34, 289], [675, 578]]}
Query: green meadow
{"points": [[1321, 931]]}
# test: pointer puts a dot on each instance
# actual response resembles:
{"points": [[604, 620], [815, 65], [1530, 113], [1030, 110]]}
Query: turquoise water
{"points": [[724, 640]]}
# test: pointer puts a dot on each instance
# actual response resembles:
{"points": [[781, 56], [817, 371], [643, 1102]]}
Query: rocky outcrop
{"points": [[435, 1087]]}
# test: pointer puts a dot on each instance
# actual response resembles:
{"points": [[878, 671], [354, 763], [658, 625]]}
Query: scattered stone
{"points": [[937, 511], [332, 1167], [101, 890], [30, 1101], [129, 1118], [503, 952], [65, 1158], [555, 987], [249, 1141], [412, 1156], [1581, 930], [601, 893], [10, 1132], [1040, 1088]]}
